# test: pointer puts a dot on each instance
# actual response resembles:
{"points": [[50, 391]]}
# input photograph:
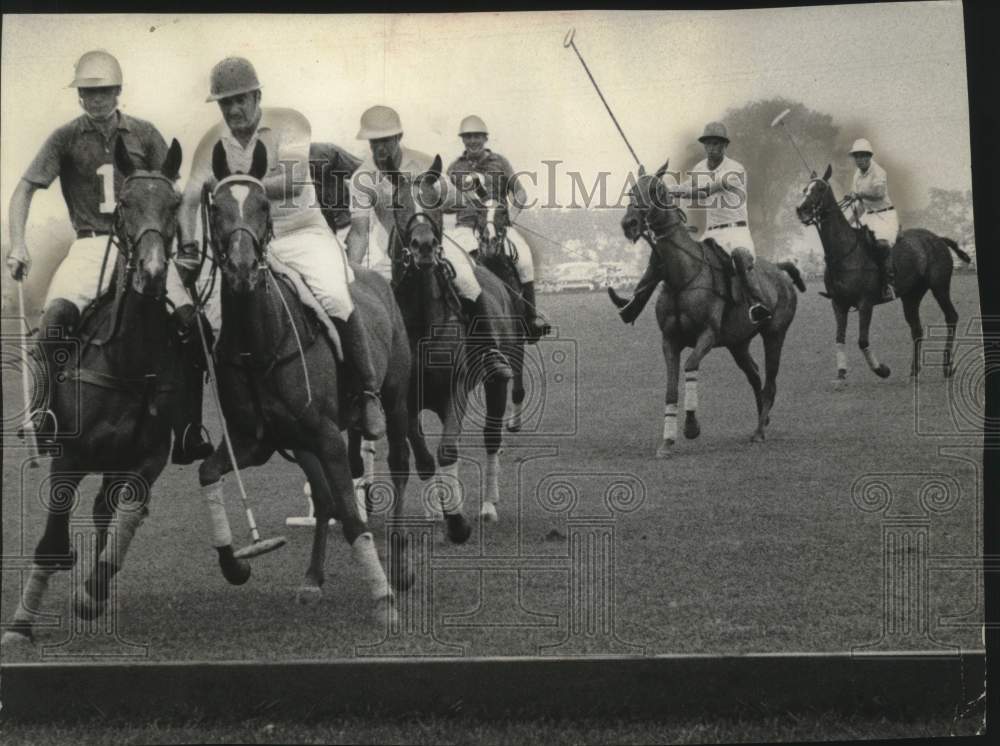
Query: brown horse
{"points": [[117, 397], [921, 259], [282, 387], [696, 310], [442, 338]]}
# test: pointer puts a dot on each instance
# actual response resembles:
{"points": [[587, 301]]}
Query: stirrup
{"points": [[759, 312], [200, 450]]}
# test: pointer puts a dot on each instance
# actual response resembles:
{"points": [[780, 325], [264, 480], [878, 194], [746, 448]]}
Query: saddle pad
{"points": [[309, 301]]}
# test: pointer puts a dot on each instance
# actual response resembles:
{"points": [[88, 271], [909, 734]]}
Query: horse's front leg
{"points": [[517, 393], [864, 322], [704, 343], [672, 356], [211, 475], [449, 493], [496, 404], [323, 510], [129, 499], [840, 315]]}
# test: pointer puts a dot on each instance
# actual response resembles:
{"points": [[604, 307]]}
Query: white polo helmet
{"points": [[472, 125], [231, 77], [861, 146], [97, 69], [378, 122]]}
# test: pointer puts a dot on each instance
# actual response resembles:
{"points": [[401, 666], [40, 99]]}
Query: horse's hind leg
{"points": [[516, 357], [210, 476], [451, 494], [53, 552], [323, 510], [705, 342], [400, 574], [129, 498], [911, 311], [741, 354], [942, 294], [773, 343]]}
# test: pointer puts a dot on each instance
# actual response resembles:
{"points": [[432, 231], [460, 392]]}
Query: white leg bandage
{"points": [[363, 550], [670, 422], [492, 477], [125, 525], [841, 357], [218, 521], [31, 597], [873, 362], [691, 391]]}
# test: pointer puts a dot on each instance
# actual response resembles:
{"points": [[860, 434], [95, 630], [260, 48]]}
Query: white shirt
{"points": [[728, 205], [873, 187]]}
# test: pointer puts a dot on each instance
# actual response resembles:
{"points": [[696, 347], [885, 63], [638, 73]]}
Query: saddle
{"points": [[733, 291], [309, 302]]}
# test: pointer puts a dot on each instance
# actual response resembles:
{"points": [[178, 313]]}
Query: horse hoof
{"points": [[459, 529], [87, 607], [757, 437], [425, 470], [385, 611], [13, 640], [691, 428], [665, 449], [308, 595], [883, 371], [513, 427], [488, 513], [236, 572]]}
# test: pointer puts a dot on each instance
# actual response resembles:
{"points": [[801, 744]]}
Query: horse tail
{"points": [[954, 247], [794, 273]]}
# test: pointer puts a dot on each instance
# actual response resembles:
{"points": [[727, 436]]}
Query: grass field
{"points": [[735, 547]]}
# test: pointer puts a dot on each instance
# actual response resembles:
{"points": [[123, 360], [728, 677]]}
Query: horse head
{"points": [[649, 202], [492, 220], [146, 219], [240, 216], [417, 214], [817, 197]]}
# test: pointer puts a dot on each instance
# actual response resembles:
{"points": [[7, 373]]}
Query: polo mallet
{"points": [[258, 546], [779, 121], [568, 42], [29, 425]]}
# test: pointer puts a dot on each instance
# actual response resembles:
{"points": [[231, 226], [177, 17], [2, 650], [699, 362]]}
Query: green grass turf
{"points": [[737, 547]]}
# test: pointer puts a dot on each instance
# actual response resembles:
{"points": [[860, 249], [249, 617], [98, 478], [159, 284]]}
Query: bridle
{"points": [[405, 255], [220, 245], [127, 242]]}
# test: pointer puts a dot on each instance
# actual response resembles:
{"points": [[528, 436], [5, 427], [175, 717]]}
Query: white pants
{"points": [[731, 238], [885, 225], [316, 254], [466, 238], [77, 276]]}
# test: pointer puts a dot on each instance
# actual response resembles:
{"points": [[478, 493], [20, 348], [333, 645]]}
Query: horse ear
{"points": [[481, 190], [123, 161], [220, 163], [828, 173], [435, 170], [258, 167], [172, 163], [662, 169], [642, 170]]}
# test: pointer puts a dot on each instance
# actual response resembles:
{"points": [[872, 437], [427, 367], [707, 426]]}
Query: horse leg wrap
{"points": [[450, 488], [841, 357], [870, 358], [31, 597], [364, 553], [691, 391], [218, 521], [492, 477], [670, 422], [126, 523], [368, 458]]}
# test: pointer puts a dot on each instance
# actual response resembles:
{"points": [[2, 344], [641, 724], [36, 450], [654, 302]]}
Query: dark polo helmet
{"points": [[231, 77]]}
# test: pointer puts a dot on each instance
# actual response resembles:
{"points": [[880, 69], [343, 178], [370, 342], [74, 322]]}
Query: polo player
{"points": [[871, 190]]}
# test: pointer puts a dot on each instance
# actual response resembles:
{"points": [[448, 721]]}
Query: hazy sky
{"points": [[892, 73]]}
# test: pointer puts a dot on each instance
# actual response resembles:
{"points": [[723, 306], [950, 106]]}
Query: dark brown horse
{"points": [[442, 340], [921, 259], [282, 386], [696, 310], [120, 391], [498, 254]]}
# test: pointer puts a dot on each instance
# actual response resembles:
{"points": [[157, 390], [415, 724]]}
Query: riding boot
{"points": [[535, 330], [190, 437], [494, 362], [643, 291], [883, 253], [759, 310], [55, 346], [357, 350]]}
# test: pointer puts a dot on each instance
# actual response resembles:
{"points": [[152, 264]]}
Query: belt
{"points": [[884, 209], [91, 234], [737, 224]]}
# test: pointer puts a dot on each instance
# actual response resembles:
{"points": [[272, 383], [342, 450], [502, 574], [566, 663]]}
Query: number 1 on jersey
{"points": [[107, 174]]}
